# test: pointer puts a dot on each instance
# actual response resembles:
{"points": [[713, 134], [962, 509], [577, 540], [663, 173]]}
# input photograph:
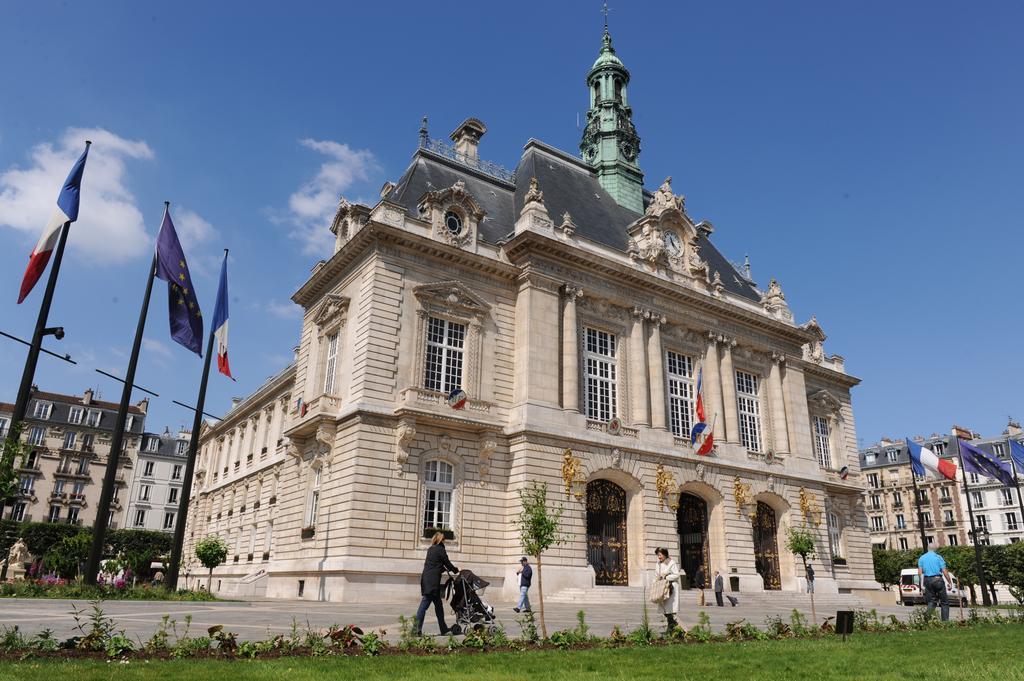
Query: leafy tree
{"points": [[12, 454], [1011, 571], [800, 541], [68, 554], [153, 544], [41, 537], [889, 563], [960, 561], [211, 552], [538, 531]]}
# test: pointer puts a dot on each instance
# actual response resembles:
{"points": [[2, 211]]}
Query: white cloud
{"points": [[110, 225], [195, 235], [285, 310], [156, 347], [312, 206]]}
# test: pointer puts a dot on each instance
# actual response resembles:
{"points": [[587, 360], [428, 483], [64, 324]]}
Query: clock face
{"points": [[674, 243]]}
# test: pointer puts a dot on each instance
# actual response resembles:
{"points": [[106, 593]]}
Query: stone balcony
{"points": [[433, 404]]}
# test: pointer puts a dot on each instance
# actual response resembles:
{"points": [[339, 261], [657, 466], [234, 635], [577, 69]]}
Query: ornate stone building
{"points": [[576, 310]]}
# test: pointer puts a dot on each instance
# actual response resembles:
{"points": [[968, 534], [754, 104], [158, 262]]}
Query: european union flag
{"points": [[1017, 454], [983, 463], [186, 318]]}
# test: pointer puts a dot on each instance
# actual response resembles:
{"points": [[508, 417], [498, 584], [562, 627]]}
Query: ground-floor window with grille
{"points": [[439, 481], [680, 393], [748, 405], [599, 358], [446, 342]]}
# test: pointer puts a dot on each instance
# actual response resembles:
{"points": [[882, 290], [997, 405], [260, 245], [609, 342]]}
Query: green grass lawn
{"points": [[984, 652]]}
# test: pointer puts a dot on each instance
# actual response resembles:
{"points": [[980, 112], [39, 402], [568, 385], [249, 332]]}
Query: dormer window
{"points": [[453, 223]]}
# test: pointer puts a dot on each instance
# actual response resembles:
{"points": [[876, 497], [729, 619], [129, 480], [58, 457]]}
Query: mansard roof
{"points": [[569, 185]]}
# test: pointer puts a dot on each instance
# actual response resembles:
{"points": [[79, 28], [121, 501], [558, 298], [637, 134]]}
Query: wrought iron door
{"points": [[606, 532], [692, 522], [766, 547]]}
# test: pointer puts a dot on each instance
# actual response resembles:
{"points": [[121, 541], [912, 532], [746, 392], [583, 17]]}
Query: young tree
{"points": [[538, 530], [211, 552], [801, 542], [13, 454]]}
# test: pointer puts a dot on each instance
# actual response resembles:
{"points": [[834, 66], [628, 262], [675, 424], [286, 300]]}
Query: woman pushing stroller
{"points": [[430, 583]]}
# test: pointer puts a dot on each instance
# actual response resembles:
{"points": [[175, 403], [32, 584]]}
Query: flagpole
{"points": [[174, 568], [917, 505], [978, 569], [117, 441]]}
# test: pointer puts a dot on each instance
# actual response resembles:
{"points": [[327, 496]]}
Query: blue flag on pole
{"points": [[1017, 454], [983, 463], [186, 318]]}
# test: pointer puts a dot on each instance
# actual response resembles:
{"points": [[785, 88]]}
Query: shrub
{"points": [[68, 554], [211, 552]]}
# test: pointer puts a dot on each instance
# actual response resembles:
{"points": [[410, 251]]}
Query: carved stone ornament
{"points": [[774, 301], [809, 507], [572, 474], [405, 432], [825, 402], [664, 200], [444, 444], [815, 350], [616, 458], [717, 287], [330, 308], [770, 483], [647, 245], [488, 443], [458, 200], [534, 194], [665, 484], [568, 227], [702, 471], [452, 297]]}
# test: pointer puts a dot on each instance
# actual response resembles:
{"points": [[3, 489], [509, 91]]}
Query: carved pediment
{"points": [[455, 194], [330, 308], [453, 297], [825, 402], [666, 237], [815, 350]]}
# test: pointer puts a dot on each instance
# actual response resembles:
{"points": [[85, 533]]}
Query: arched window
{"points": [[618, 89], [439, 481], [597, 91]]}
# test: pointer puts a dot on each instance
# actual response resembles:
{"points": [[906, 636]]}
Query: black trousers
{"points": [[421, 612], [718, 599]]}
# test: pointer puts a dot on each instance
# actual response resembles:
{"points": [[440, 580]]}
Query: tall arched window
{"points": [[439, 481], [597, 91]]}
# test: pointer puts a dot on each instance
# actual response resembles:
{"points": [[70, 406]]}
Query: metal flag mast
{"points": [[117, 441], [190, 464], [978, 568]]}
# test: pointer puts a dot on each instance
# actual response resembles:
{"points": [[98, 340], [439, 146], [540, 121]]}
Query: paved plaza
{"points": [[260, 619]]}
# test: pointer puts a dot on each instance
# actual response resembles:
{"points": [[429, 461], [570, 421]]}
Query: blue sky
{"points": [[868, 155]]}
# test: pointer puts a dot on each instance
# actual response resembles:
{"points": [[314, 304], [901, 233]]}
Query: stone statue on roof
{"points": [[664, 199]]}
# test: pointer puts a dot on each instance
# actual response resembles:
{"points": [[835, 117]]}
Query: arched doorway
{"points": [[766, 547], [692, 524], [606, 533]]}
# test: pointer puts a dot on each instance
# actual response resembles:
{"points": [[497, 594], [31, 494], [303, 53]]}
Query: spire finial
{"points": [[604, 11]]}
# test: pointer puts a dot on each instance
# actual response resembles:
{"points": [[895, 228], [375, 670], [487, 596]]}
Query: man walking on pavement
{"points": [[809, 572], [719, 588], [934, 577], [525, 576]]}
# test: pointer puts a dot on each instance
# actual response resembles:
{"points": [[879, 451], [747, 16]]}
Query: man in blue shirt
{"points": [[525, 576], [935, 579]]}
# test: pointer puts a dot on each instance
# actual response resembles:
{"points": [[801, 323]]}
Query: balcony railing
{"points": [[945, 500], [948, 523]]}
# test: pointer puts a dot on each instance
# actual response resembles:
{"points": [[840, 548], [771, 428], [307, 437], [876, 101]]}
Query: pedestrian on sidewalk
{"points": [[719, 588], [667, 570], [935, 580], [430, 583], [525, 573], [699, 581], [810, 578]]}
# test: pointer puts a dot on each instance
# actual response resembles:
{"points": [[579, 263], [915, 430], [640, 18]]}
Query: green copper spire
{"points": [[610, 142]]}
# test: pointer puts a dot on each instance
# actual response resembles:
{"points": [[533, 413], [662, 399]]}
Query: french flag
{"points": [[220, 321], [66, 211], [922, 458], [700, 395]]}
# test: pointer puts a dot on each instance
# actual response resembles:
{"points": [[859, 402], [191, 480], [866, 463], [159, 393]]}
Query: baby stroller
{"points": [[463, 593]]}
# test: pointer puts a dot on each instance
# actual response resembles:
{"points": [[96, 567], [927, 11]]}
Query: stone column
{"points": [[656, 359], [570, 351], [536, 341], [712, 387], [640, 393], [778, 404], [732, 424]]}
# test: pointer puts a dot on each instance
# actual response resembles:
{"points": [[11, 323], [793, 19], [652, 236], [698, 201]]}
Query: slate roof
{"points": [[569, 185]]}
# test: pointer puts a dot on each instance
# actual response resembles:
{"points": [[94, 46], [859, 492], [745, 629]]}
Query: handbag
{"points": [[659, 591]]}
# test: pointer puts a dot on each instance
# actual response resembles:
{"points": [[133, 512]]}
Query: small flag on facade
{"points": [[700, 394], [1017, 454], [983, 463], [66, 211], [922, 458], [185, 316], [220, 321]]}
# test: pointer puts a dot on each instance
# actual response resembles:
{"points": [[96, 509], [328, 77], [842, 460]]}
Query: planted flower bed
{"points": [[100, 638]]}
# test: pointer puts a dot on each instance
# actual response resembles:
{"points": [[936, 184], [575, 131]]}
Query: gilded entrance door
{"points": [[692, 522], [766, 547], [606, 532]]}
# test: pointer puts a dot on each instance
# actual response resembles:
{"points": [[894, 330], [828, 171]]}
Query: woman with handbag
{"points": [[665, 590]]}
